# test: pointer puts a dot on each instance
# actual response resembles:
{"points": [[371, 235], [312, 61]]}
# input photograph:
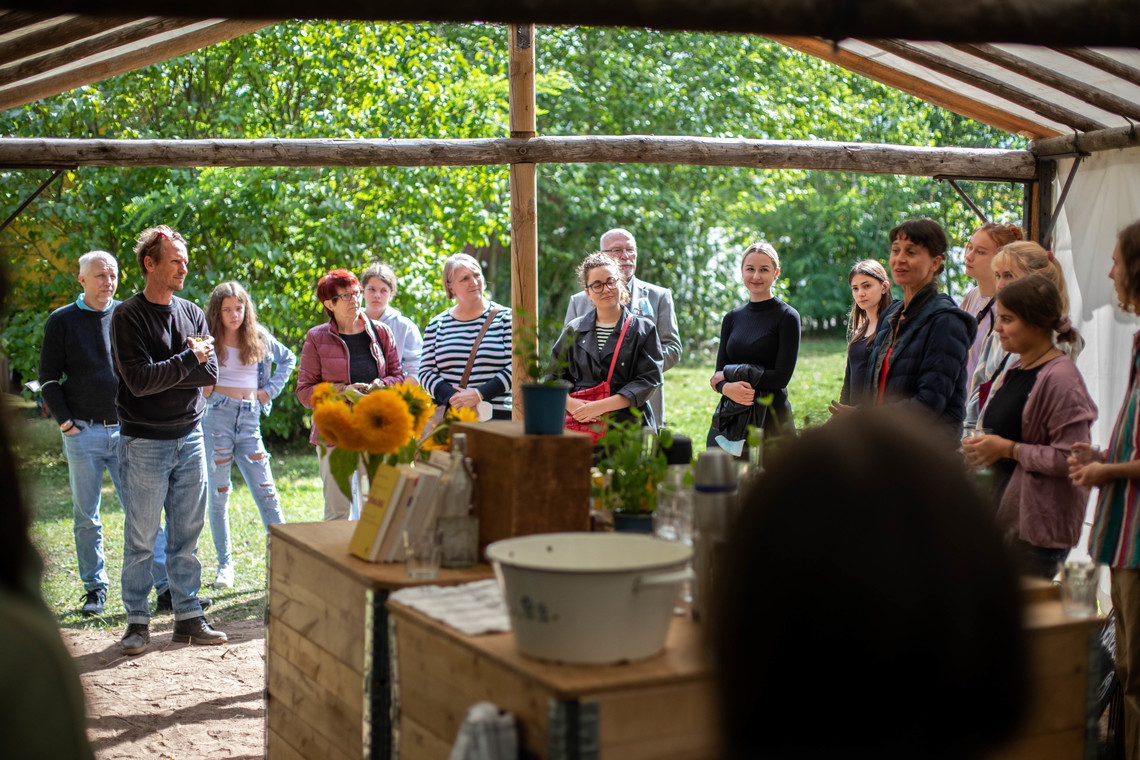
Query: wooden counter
{"points": [[340, 670], [657, 708], [664, 707], [327, 669]]}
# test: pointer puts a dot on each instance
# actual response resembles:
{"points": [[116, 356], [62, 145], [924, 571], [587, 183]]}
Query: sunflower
{"points": [[465, 414], [334, 422], [383, 422], [440, 438], [322, 392], [420, 405]]}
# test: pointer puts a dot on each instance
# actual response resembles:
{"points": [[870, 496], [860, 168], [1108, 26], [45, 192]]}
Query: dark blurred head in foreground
{"points": [[868, 605]]}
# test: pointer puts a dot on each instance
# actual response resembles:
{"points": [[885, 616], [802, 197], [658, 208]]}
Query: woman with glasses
{"points": [[351, 350], [587, 346], [759, 345], [475, 333]]}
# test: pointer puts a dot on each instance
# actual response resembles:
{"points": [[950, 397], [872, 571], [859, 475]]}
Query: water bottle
{"points": [[715, 503]]}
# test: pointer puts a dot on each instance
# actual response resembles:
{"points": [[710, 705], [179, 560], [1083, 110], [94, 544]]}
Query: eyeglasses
{"points": [[620, 250], [599, 286], [351, 295]]}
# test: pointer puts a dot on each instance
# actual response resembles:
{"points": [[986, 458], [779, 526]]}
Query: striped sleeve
{"points": [[1115, 536]]}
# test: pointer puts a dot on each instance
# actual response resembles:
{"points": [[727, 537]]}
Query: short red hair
{"points": [[333, 283]]}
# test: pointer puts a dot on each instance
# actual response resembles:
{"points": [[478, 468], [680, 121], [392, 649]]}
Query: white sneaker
{"points": [[225, 577]]}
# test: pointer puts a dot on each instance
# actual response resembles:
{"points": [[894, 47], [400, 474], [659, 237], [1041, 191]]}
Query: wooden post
{"points": [[524, 189]]}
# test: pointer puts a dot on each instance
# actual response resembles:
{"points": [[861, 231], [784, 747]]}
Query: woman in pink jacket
{"points": [[1038, 411], [350, 349]]}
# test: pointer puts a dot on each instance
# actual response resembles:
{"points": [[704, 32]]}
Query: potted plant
{"points": [[543, 389], [633, 462]]}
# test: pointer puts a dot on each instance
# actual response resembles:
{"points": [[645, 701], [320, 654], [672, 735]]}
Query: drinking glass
{"points": [[423, 552], [1078, 588], [673, 521]]}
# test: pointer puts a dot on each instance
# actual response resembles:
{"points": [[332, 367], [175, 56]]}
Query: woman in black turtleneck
{"points": [[759, 344]]}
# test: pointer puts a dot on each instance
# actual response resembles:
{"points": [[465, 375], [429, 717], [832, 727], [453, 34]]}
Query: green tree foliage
{"points": [[275, 230], [278, 230]]}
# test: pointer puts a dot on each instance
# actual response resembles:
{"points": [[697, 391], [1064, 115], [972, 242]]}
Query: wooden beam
{"points": [[20, 93], [58, 35], [865, 158], [524, 206], [88, 47], [12, 21], [920, 88], [1042, 22], [1103, 62], [1089, 142], [1076, 89], [987, 83]]}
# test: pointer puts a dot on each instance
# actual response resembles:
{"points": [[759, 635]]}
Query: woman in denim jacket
{"points": [[247, 385]]}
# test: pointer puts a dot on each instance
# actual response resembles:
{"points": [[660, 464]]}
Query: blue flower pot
{"points": [[633, 523], [544, 408]]}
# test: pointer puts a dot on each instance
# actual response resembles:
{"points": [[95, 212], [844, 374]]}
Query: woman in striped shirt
{"points": [[450, 336], [1115, 538]]}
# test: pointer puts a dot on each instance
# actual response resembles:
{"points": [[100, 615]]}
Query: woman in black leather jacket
{"points": [[587, 345]]}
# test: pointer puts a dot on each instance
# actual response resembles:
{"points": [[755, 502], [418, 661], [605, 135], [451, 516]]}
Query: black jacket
{"points": [[639, 366], [928, 361]]}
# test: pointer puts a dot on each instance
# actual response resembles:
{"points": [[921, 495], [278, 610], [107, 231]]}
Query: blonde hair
{"points": [[1031, 258], [763, 247], [455, 261]]}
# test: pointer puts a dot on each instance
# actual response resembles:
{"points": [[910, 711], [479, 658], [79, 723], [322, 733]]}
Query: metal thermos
{"points": [[714, 506]]}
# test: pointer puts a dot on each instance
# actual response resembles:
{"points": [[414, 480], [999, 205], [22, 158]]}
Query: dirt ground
{"points": [[174, 700]]}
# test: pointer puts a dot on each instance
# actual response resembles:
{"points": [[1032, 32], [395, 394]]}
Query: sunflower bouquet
{"points": [[374, 426]]}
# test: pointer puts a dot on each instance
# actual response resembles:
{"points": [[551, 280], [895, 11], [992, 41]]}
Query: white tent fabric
{"points": [[1105, 196]]}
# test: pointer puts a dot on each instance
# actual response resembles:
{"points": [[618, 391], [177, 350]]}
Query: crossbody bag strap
{"points": [[478, 339], [613, 362]]}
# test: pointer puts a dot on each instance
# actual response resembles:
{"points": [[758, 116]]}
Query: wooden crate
{"points": [[658, 708], [527, 484], [327, 665]]}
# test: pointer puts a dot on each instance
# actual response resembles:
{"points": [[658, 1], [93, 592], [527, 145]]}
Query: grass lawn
{"points": [[689, 401], [689, 406]]}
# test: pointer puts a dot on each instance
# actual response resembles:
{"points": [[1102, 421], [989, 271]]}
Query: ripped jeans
{"points": [[233, 433]]}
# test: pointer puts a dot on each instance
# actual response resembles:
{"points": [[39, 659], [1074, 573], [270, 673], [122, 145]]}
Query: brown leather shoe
{"points": [[197, 631]]}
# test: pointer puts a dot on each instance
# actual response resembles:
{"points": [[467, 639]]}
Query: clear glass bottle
{"points": [[456, 520]]}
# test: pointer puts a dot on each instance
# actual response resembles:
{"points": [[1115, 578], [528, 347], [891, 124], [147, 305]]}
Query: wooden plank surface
{"points": [[675, 721], [417, 743], [328, 542], [336, 721], [439, 679], [311, 615], [681, 662], [316, 663], [290, 735]]}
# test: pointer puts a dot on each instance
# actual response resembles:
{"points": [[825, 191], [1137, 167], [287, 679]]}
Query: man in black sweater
{"points": [[163, 356], [79, 387]]}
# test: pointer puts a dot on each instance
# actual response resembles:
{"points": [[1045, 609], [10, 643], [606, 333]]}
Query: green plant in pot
{"points": [[544, 391], [633, 462]]}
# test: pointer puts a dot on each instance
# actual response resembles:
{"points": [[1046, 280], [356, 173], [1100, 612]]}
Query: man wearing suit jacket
{"points": [[646, 300]]}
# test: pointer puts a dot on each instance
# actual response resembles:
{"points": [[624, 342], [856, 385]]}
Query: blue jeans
{"points": [[95, 448], [233, 432], [160, 476]]}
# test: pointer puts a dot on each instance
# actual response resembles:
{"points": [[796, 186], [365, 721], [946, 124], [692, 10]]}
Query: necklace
{"points": [[1030, 365]]}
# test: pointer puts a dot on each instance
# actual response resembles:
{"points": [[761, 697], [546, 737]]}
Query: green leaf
{"points": [[342, 463]]}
